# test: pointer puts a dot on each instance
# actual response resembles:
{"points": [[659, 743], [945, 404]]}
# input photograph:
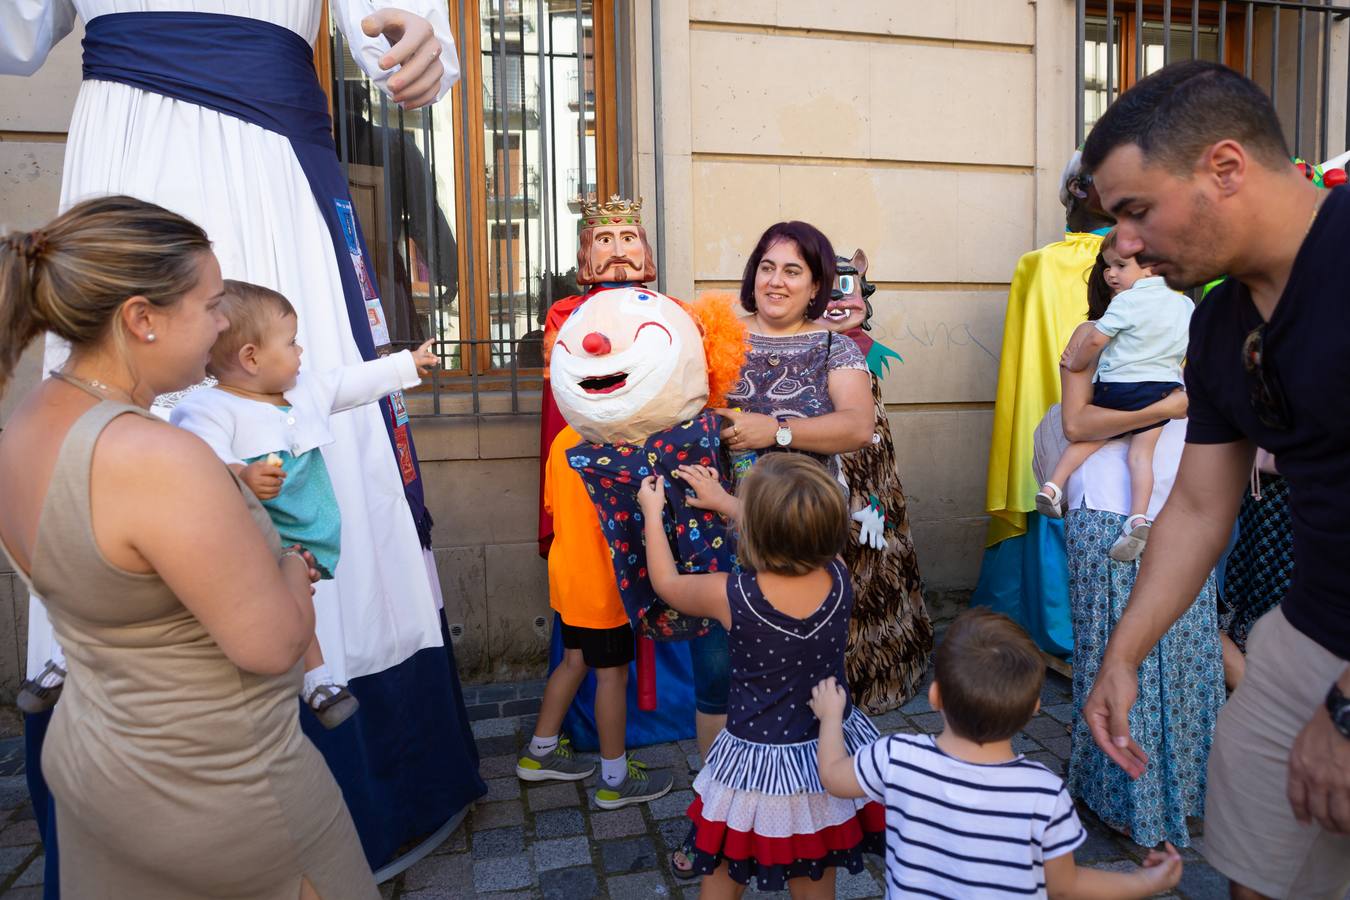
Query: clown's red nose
{"points": [[595, 343]]}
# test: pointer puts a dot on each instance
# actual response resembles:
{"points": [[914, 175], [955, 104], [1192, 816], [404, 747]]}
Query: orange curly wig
{"points": [[725, 342]]}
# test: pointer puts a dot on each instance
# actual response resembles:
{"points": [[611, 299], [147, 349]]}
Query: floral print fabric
{"points": [[700, 540], [1181, 688]]}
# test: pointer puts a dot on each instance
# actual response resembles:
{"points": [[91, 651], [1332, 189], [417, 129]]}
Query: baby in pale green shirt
{"points": [[268, 421], [1136, 335]]}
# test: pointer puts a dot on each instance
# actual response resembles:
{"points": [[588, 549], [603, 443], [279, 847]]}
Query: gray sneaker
{"points": [[639, 785], [558, 764]]}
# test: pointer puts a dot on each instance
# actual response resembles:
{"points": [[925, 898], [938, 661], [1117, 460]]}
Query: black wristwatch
{"points": [[1338, 705]]}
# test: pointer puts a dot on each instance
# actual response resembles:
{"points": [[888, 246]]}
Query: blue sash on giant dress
{"points": [[406, 762], [263, 74]]}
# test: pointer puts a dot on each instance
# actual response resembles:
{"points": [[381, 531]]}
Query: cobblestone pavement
{"points": [[545, 840]]}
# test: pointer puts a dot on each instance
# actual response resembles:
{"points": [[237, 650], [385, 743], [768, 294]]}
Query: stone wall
{"points": [[929, 134]]}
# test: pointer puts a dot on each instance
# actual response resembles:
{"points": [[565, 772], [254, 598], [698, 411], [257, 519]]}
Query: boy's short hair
{"points": [[793, 515], [249, 308], [989, 674]]}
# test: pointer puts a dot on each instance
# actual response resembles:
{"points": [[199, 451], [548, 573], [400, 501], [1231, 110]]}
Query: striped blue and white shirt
{"points": [[959, 829]]}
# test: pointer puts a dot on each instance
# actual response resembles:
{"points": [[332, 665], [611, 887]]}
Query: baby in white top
{"points": [[267, 419]]}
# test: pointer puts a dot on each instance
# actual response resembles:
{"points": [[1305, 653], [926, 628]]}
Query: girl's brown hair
{"points": [[71, 276], [1099, 292], [793, 515]]}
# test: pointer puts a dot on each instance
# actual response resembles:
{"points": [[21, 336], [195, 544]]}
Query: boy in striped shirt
{"points": [[965, 815]]}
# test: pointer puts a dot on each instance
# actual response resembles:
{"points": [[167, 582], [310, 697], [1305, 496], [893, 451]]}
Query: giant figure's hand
{"points": [[412, 45], [1107, 713], [425, 358]]}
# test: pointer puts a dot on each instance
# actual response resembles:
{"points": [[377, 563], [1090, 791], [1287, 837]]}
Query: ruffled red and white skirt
{"points": [[761, 809]]}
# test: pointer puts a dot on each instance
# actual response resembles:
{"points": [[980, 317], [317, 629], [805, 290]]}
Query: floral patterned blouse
{"points": [[789, 375], [700, 540]]}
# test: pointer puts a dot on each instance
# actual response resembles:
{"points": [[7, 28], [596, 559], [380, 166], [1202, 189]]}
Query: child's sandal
{"points": [[1133, 538], [1050, 501], [682, 858]]}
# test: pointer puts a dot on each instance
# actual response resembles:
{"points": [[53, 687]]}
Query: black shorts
{"points": [[1132, 396], [601, 648]]}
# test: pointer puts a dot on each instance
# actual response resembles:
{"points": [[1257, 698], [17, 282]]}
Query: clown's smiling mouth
{"points": [[604, 384]]}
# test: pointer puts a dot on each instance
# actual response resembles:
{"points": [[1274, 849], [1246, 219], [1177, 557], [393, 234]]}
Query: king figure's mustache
{"points": [[618, 261]]}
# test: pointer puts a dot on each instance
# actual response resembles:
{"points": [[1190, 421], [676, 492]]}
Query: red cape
{"points": [[551, 421]]}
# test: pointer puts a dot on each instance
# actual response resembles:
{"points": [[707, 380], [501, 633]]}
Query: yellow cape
{"points": [[1047, 301]]}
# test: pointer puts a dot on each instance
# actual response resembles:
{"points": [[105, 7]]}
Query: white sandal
{"points": [[1132, 540], [1050, 501]]}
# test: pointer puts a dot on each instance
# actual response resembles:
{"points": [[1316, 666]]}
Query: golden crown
{"points": [[614, 211]]}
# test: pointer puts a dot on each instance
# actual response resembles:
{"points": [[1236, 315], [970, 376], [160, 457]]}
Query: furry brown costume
{"points": [[890, 636]]}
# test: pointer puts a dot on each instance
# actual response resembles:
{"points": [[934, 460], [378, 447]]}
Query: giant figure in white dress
{"points": [[244, 186], [252, 190]]}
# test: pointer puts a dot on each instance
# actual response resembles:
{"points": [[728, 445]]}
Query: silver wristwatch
{"points": [[1338, 706]]}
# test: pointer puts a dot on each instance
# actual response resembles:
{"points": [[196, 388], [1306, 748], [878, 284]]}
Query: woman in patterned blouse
{"points": [[803, 388]]}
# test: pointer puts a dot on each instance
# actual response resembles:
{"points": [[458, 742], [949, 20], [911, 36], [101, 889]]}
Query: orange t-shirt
{"points": [[580, 575]]}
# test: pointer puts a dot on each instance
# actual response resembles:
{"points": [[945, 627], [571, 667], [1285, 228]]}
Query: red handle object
{"points": [[646, 674]]}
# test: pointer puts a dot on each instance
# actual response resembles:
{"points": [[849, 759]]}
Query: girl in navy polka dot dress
{"points": [[760, 808]]}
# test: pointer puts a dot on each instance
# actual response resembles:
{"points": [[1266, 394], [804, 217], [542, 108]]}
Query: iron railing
{"points": [[517, 214], [1298, 51], [580, 186]]}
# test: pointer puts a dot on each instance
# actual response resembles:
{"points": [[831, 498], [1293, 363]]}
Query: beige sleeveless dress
{"points": [[175, 773]]}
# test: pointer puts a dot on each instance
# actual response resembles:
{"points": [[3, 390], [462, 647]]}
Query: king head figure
{"points": [[612, 245]]}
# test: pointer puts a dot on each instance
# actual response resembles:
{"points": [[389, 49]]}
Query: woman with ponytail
{"points": [[182, 618]]}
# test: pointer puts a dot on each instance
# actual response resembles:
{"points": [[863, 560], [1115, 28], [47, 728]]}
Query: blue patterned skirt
{"points": [[1180, 691]]}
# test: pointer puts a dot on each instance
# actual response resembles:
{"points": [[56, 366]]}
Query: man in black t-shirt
{"points": [[1193, 165]]}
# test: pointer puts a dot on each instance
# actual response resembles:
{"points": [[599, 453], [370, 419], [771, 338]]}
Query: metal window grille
{"points": [[1298, 51], [537, 139]]}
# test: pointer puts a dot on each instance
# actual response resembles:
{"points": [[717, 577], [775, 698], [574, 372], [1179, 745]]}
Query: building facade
{"points": [[931, 135]]}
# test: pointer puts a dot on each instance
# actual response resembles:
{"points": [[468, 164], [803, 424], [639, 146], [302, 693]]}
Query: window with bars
{"points": [[1296, 50], [470, 208]]}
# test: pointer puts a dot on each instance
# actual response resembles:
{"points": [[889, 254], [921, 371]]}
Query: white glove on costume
{"points": [[873, 531]]}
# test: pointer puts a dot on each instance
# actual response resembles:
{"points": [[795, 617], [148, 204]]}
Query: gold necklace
{"points": [[774, 359], [1317, 207], [92, 384]]}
